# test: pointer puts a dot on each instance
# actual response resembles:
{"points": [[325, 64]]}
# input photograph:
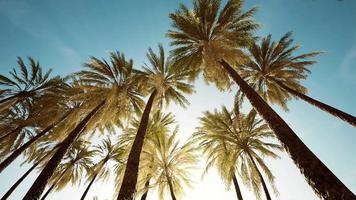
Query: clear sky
{"points": [[62, 34]]}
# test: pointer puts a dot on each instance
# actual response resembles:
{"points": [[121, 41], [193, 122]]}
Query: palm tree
{"points": [[77, 161], [107, 152], [29, 82], [165, 82], [210, 39], [275, 73], [109, 93], [169, 163], [232, 141], [159, 123]]}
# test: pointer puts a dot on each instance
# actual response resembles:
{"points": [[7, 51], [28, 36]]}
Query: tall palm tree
{"points": [[169, 163], [107, 151], [165, 82], [233, 141], [76, 162], [160, 123], [275, 73], [210, 39], [29, 82], [107, 94]]}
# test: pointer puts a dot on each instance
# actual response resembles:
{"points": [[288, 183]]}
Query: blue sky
{"points": [[62, 34]]}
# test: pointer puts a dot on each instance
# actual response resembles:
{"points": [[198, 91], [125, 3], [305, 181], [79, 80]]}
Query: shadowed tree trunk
{"points": [[265, 189], [40, 183], [319, 177], [16, 130], [171, 188], [54, 184], [18, 182], [128, 186], [20, 150], [147, 185], [331, 110], [92, 181], [237, 188]]}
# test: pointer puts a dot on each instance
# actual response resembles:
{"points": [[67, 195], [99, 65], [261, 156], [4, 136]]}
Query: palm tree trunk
{"points": [[13, 187], [147, 185], [54, 184], [320, 178], [237, 188], [92, 181], [268, 196], [18, 182], [171, 188], [331, 110], [18, 151], [128, 186], [40, 183], [19, 128]]}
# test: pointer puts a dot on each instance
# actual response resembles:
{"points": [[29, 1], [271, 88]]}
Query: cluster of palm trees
{"points": [[53, 121]]}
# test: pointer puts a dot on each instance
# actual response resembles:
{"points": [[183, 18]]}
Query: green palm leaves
{"points": [[207, 33], [232, 142]]}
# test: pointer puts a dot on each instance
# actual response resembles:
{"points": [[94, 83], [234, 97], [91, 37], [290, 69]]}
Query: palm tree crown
{"points": [[206, 34]]}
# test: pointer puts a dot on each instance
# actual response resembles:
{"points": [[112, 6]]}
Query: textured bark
{"points": [[171, 188], [324, 183], [40, 183], [331, 110], [237, 188], [147, 185], [128, 186], [265, 189], [20, 150]]}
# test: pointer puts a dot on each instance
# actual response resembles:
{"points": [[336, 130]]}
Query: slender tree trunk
{"points": [[20, 150], [128, 186], [54, 184], [147, 185], [19, 128], [40, 183], [320, 178], [171, 189], [265, 189], [19, 181], [331, 110], [48, 191], [237, 188], [13, 187], [91, 182]]}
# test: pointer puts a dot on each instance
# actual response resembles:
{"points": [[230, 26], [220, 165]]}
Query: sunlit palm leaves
{"points": [[226, 138], [207, 33], [270, 61]]}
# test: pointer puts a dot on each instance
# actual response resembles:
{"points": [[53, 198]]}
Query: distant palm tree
{"points": [[107, 151], [165, 82], [210, 39], [75, 163], [30, 82], [168, 163], [234, 143], [275, 74]]}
